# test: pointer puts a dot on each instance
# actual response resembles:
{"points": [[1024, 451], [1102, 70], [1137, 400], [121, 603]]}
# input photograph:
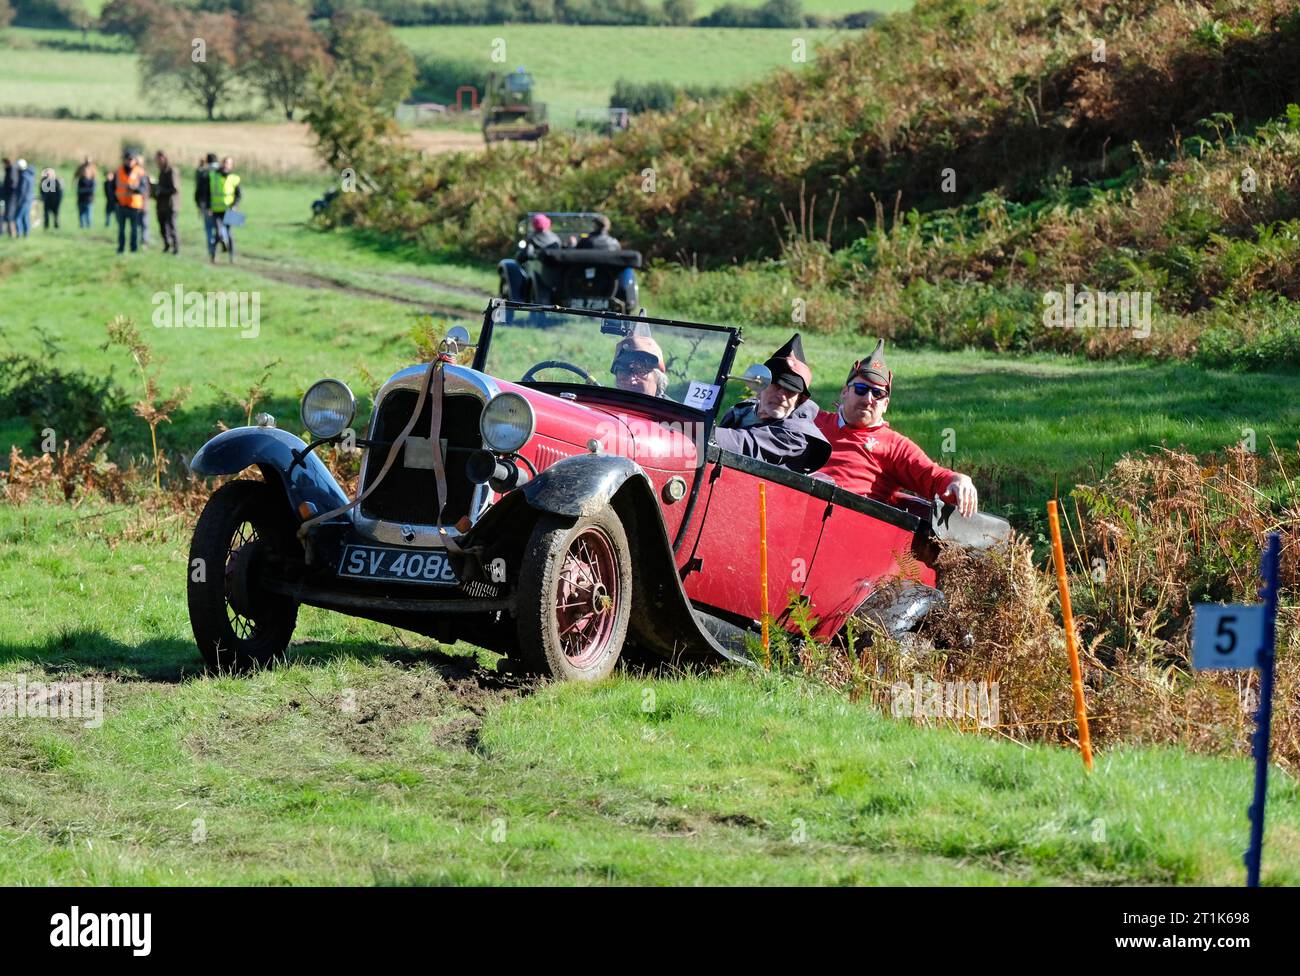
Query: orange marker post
{"points": [[762, 569], [1067, 616]]}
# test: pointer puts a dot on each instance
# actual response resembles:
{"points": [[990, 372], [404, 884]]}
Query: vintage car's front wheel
{"points": [[575, 596], [236, 623]]}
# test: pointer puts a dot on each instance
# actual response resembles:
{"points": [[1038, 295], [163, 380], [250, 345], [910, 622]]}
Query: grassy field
{"points": [[43, 71], [379, 758], [575, 68], [49, 70], [831, 8], [1023, 425]]}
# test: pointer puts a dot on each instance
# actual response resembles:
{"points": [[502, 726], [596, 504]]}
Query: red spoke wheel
{"points": [[575, 596], [236, 624]]}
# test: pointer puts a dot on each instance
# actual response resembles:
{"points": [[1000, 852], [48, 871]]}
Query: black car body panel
{"points": [[303, 475]]}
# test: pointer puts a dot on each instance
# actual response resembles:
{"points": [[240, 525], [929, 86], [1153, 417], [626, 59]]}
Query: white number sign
{"points": [[1226, 638]]}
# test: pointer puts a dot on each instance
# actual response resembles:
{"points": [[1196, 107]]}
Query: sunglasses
{"points": [[634, 369], [862, 389]]}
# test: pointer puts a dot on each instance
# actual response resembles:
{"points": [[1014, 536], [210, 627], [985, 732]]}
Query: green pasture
{"points": [[1024, 426], [376, 757], [575, 68], [49, 71]]}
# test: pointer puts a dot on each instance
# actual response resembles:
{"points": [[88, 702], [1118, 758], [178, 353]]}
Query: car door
{"points": [[828, 547], [863, 543], [719, 557]]}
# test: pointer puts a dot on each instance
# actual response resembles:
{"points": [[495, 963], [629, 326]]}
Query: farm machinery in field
{"points": [[510, 112]]}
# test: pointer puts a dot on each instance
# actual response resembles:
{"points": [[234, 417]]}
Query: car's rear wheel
{"points": [[236, 623], [575, 596]]}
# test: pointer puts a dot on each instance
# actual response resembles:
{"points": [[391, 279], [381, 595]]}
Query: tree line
{"points": [[271, 47], [681, 13], [675, 13]]}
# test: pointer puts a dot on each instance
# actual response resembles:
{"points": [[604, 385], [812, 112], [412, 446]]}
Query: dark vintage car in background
{"points": [[524, 503], [570, 276]]}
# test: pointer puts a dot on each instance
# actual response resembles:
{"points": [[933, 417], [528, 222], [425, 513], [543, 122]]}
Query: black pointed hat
{"points": [[873, 368], [789, 368]]}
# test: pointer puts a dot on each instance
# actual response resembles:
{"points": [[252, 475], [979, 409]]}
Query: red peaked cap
{"points": [[789, 368], [873, 368]]}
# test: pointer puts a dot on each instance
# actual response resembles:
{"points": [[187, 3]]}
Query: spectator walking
{"points": [[51, 198], [86, 177], [24, 196], [110, 197], [226, 194], [167, 193], [129, 196], [6, 197], [203, 196]]}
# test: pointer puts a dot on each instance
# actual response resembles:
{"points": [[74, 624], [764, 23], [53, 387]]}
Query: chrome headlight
{"points": [[507, 422], [328, 408]]}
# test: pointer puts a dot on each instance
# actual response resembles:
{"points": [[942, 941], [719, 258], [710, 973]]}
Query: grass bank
{"points": [[377, 758]]}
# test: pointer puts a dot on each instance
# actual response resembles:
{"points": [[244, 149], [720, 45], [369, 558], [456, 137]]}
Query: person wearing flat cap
{"points": [[870, 458], [777, 425], [638, 366]]}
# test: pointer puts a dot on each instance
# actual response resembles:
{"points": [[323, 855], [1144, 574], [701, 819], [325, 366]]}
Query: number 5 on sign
{"points": [[1226, 638]]}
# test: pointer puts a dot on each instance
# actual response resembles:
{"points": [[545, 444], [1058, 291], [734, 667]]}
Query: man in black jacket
{"points": [[7, 191], [166, 192], [203, 196], [777, 426], [599, 239]]}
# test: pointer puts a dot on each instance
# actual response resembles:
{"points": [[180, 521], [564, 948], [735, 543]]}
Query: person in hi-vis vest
{"points": [[225, 196], [128, 190]]}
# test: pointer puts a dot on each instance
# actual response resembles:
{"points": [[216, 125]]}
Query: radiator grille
{"points": [[410, 495]]}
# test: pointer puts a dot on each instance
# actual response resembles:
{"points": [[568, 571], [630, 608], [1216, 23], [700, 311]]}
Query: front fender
{"points": [[271, 449], [631, 293], [513, 273], [580, 485]]}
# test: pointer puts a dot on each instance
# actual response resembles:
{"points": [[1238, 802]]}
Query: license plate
{"points": [[592, 304], [397, 565]]}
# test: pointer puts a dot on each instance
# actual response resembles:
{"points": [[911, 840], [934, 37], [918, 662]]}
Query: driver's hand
{"points": [[961, 492]]}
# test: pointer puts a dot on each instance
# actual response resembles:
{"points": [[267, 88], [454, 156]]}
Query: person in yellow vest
{"points": [[129, 191], [226, 194]]}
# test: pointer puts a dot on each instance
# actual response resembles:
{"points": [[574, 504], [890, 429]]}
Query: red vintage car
{"points": [[554, 516]]}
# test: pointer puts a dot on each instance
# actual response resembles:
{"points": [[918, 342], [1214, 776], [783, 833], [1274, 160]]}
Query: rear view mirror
{"points": [[455, 341], [756, 377]]}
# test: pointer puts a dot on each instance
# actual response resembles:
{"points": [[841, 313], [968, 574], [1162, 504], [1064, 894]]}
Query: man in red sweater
{"points": [[869, 458]]}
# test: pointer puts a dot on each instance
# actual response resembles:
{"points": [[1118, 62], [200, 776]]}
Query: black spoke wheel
{"points": [[575, 596], [238, 625]]}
